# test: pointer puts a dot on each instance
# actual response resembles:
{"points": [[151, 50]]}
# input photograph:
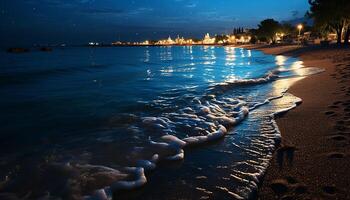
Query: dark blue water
{"points": [[69, 114]]}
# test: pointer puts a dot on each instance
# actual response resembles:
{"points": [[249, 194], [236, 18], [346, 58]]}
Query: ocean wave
{"points": [[174, 124], [268, 77], [170, 147], [215, 115]]}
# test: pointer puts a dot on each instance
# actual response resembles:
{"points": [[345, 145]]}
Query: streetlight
{"points": [[300, 26]]}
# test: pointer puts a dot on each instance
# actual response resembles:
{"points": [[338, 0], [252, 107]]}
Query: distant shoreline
{"points": [[104, 46], [40, 48]]}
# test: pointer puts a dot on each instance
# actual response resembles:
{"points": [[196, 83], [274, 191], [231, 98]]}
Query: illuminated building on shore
{"points": [[168, 41], [180, 41], [208, 40], [242, 38], [231, 39], [145, 43], [117, 43], [189, 42]]}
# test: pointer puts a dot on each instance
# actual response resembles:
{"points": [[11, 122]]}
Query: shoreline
{"points": [[313, 158]]}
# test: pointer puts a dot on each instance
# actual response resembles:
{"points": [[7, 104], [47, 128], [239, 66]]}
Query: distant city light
{"points": [[242, 38]]}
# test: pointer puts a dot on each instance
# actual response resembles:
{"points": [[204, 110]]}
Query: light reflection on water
{"points": [[280, 60], [64, 110], [230, 56]]}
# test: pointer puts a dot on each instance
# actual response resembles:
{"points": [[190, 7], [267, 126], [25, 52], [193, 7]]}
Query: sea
{"points": [[166, 122]]}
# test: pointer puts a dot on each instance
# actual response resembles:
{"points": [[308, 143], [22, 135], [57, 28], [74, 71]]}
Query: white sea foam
{"points": [[172, 148], [213, 118], [173, 140]]}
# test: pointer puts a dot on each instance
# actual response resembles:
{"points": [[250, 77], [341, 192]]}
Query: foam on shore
{"points": [[171, 148], [212, 119], [171, 143]]}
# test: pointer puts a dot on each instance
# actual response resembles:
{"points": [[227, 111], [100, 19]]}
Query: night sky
{"points": [[27, 22]]}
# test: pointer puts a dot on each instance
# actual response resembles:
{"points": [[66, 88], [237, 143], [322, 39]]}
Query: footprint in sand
{"points": [[300, 189], [338, 138], [346, 104], [335, 155], [340, 122], [279, 186], [288, 187], [329, 113], [291, 180], [337, 102], [340, 127], [333, 106], [329, 190]]}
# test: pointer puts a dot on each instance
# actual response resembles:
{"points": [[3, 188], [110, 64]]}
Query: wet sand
{"points": [[313, 160]]}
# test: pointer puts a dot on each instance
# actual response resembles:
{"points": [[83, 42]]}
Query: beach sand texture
{"points": [[313, 160]]}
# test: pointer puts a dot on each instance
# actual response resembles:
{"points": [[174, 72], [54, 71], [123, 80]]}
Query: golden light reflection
{"points": [[280, 60], [297, 65], [308, 71], [282, 85]]}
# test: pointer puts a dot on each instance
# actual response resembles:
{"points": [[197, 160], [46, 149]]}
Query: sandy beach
{"points": [[312, 161]]}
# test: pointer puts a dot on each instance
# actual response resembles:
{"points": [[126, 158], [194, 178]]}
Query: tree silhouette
{"points": [[268, 29], [220, 38], [331, 14], [287, 29]]}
